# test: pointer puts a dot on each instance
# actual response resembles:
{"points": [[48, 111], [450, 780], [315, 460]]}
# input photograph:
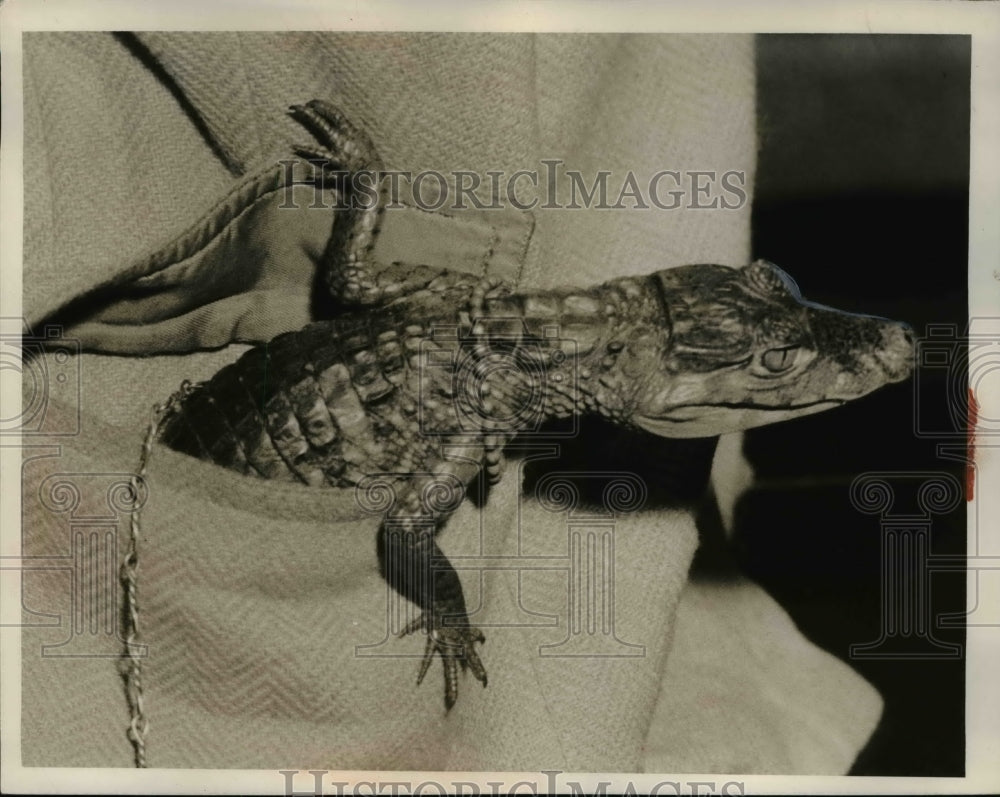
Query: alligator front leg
{"points": [[344, 155], [414, 566], [343, 152], [455, 644]]}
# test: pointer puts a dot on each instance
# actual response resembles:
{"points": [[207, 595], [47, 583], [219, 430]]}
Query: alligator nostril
{"points": [[896, 353]]}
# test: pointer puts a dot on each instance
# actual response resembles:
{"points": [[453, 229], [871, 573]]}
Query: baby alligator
{"points": [[424, 392]]}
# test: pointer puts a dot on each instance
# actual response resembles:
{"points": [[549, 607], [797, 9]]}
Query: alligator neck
{"points": [[586, 349]]}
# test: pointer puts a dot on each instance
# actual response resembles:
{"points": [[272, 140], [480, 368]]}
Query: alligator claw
{"points": [[456, 645], [346, 146]]}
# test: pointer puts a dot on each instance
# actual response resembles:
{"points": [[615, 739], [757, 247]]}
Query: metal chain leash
{"points": [[139, 724]]}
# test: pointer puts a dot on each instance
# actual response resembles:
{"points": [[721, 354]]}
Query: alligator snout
{"points": [[896, 352]]}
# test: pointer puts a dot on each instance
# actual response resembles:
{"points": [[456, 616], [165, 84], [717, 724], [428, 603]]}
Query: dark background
{"points": [[862, 195]]}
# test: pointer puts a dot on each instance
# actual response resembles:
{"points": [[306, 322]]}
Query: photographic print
{"points": [[495, 405]]}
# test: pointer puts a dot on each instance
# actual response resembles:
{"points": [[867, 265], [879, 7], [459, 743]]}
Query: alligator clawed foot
{"points": [[342, 146], [456, 645]]}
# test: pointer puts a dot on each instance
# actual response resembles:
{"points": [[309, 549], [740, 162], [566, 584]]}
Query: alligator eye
{"points": [[778, 360]]}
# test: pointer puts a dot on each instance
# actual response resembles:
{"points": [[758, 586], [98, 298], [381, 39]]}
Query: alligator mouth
{"points": [[693, 411], [704, 420]]}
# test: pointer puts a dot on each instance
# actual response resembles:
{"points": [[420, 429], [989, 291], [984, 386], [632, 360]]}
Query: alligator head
{"points": [[745, 349]]}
